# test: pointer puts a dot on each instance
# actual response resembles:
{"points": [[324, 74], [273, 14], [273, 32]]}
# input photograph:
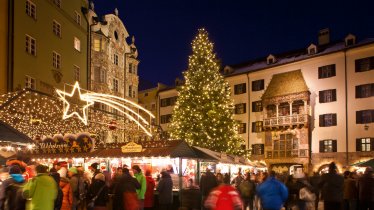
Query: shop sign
{"points": [[131, 147], [69, 143]]}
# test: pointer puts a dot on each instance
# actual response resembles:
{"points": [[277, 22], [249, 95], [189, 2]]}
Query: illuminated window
{"points": [[97, 45], [328, 145], [257, 127], [240, 108], [242, 128], [77, 44], [365, 144]]}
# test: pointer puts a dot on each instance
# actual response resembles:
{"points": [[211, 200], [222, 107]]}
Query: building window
{"points": [[130, 91], [115, 59], [365, 91], [115, 85], [165, 118], [97, 45], [57, 28], [77, 73], [77, 44], [312, 51], [242, 128], [257, 149], [365, 144], [365, 116], [364, 64], [257, 106], [130, 68], [31, 9], [258, 85], [326, 96], [326, 71], [153, 107], [100, 75], [328, 145], [30, 82], [285, 146], [57, 3], [30, 45], [77, 18], [326, 120], [240, 108], [168, 101], [257, 127], [240, 89], [56, 60]]}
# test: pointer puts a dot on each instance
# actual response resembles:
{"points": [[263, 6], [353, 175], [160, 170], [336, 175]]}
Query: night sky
{"points": [[241, 30]]}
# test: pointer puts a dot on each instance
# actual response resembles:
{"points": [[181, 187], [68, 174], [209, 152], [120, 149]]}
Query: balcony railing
{"points": [[295, 119]]}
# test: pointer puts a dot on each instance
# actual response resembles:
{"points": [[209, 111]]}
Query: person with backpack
{"points": [[247, 190], [224, 197], [98, 193], [11, 190]]}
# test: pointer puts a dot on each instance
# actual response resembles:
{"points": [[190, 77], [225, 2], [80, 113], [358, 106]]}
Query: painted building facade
{"points": [[304, 108]]}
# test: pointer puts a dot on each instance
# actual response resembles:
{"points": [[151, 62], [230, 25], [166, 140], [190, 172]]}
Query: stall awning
{"points": [[173, 149], [368, 163], [207, 154], [11, 135]]}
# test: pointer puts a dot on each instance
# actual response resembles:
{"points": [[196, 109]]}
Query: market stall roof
{"points": [[11, 135], [368, 163], [207, 154], [171, 148]]}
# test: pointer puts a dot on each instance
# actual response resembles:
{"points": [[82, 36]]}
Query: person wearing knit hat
{"points": [[98, 188], [72, 171]]}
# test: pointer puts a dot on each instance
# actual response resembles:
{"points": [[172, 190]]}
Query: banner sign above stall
{"points": [[223, 156], [131, 147], [70, 143]]}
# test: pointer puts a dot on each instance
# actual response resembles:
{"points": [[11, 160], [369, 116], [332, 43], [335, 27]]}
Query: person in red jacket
{"points": [[224, 197], [149, 193]]}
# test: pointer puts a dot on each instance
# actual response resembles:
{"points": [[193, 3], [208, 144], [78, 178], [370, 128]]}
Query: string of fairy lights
{"points": [[40, 116], [203, 114]]}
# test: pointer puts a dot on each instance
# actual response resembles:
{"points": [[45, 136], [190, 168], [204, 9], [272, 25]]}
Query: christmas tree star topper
{"points": [[76, 90]]}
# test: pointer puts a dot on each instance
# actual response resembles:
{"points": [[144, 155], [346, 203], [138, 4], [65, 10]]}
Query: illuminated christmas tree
{"points": [[203, 115]]}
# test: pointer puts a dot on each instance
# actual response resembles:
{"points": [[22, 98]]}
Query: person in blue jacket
{"points": [[272, 193]]}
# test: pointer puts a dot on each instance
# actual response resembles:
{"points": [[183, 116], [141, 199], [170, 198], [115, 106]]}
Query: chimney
{"points": [[324, 36]]}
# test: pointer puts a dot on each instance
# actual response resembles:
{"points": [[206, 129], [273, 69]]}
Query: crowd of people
{"points": [[37, 187]]}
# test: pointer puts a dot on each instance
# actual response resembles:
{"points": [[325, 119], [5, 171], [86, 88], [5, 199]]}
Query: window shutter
{"points": [[333, 72], [372, 115], [321, 94], [358, 117], [334, 95], [322, 121], [334, 146], [372, 89], [319, 73], [321, 146], [235, 89], [357, 64], [244, 87], [244, 107], [371, 144], [253, 127], [262, 85], [334, 119], [253, 106], [358, 92], [358, 145], [263, 149]]}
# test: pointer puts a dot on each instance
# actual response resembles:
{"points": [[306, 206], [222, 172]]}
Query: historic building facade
{"points": [[47, 44], [114, 65], [304, 108]]}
